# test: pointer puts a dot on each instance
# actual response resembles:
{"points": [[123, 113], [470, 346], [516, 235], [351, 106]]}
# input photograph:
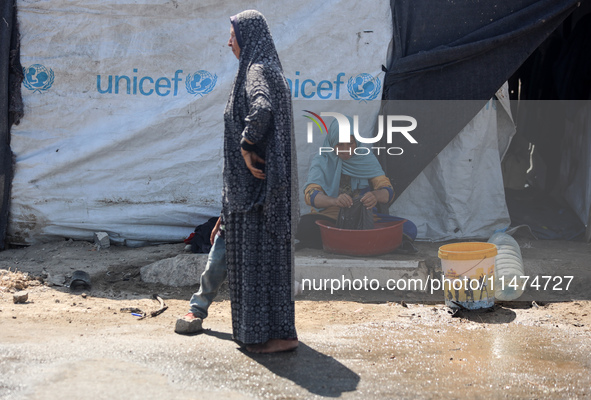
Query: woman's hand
{"points": [[343, 201], [215, 230], [369, 200], [251, 158]]}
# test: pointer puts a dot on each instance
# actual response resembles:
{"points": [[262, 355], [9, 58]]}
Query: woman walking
{"points": [[258, 200]]}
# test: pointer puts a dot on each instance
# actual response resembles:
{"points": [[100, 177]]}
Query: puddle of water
{"points": [[482, 360]]}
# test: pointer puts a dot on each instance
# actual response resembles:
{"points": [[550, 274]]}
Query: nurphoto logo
{"points": [[394, 124]]}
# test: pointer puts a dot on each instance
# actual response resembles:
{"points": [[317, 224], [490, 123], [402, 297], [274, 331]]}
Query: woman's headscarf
{"points": [[327, 167], [255, 40], [259, 72]]}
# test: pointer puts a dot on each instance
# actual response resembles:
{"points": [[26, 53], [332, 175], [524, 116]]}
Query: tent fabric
{"points": [[575, 168], [11, 106], [572, 72], [559, 69], [123, 125], [559, 130], [143, 163], [460, 194], [463, 50]]}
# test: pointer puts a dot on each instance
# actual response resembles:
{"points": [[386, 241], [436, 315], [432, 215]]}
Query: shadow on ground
{"points": [[493, 315], [318, 373]]}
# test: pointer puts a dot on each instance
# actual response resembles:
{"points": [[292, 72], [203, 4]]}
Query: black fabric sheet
{"points": [[460, 50], [11, 105]]}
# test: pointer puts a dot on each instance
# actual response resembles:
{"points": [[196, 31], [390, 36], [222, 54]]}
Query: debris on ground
{"points": [[139, 313], [11, 281], [20, 297], [80, 280], [102, 240]]}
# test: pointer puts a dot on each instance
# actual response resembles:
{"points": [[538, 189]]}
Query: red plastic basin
{"points": [[383, 239]]}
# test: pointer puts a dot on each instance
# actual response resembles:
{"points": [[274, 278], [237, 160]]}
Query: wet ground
{"points": [[63, 345], [348, 350]]}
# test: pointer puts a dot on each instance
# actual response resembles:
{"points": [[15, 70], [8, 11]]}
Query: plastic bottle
{"points": [[508, 267]]}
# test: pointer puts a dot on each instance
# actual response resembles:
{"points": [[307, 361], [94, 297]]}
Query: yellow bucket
{"points": [[468, 274]]}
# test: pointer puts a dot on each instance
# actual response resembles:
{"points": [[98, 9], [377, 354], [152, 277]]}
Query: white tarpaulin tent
{"points": [[123, 116], [460, 193], [123, 106]]}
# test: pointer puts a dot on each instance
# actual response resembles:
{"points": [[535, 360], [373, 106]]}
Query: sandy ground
{"points": [[62, 344]]}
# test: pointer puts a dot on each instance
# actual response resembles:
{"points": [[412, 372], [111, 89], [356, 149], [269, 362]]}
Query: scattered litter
{"points": [[455, 313], [80, 280], [102, 240], [139, 313], [460, 306], [15, 280], [131, 310], [20, 297], [55, 279]]}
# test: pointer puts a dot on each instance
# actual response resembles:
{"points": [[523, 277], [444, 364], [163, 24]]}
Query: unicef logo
{"points": [[200, 83], [364, 87], [38, 78]]}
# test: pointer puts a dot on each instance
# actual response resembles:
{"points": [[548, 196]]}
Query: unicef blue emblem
{"points": [[364, 87], [200, 83], [38, 78]]}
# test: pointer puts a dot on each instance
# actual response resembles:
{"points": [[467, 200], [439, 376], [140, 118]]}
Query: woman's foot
{"points": [[188, 324], [273, 346]]}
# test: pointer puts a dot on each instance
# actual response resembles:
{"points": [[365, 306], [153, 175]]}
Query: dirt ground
{"points": [[63, 344]]}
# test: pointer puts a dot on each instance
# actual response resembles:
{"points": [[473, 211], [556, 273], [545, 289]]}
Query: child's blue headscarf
{"points": [[326, 168]]}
